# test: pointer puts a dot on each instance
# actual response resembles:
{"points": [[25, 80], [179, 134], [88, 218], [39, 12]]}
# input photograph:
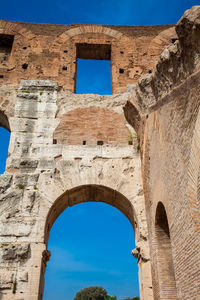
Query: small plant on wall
{"points": [[130, 139]]}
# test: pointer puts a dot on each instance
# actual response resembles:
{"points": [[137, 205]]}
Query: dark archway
{"points": [[166, 277]]}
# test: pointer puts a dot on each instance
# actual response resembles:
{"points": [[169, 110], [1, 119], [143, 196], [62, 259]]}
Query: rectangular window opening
{"points": [[6, 42], [93, 74]]}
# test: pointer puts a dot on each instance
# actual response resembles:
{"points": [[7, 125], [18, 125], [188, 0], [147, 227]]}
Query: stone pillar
{"points": [[22, 248]]}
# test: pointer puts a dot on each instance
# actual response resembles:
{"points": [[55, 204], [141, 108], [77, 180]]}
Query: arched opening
{"points": [[5, 139], [91, 245], [95, 193], [166, 277]]}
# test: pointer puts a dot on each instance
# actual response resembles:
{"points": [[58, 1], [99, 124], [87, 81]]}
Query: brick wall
{"points": [[90, 125], [49, 52]]}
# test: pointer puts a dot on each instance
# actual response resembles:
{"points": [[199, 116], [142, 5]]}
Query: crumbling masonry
{"points": [[137, 150]]}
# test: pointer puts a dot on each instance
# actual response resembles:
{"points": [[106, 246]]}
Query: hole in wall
{"points": [[64, 68], [6, 42], [84, 142], [121, 71], [54, 141], [100, 143], [25, 66]]}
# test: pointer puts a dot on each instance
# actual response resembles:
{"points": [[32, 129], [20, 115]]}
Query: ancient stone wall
{"points": [[168, 103], [137, 150], [43, 177]]}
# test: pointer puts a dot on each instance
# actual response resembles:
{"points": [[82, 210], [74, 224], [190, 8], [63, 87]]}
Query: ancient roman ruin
{"points": [[137, 149]]}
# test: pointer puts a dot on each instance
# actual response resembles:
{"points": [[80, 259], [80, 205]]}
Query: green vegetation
{"points": [[138, 149], [91, 293], [21, 186], [35, 187], [96, 293], [130, 139], [14, 287]]}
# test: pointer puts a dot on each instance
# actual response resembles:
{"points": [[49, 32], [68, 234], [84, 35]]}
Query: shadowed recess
{"points": [[166, 277]]}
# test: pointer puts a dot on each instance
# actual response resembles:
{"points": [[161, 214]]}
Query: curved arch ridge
{"points": [[90, 193], [108, 195], [84, 29], [93, 29]]}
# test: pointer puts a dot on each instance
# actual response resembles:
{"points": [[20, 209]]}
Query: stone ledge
{"points": [[38, 85]]}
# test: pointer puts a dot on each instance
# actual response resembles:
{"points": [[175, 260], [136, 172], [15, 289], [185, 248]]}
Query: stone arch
{"points": [[90, 193], [101, 193], [165, 267]]}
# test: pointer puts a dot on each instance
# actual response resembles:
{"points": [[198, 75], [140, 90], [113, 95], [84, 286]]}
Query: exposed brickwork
{"points": [[154, 182], [41, 51], [91, 125]]}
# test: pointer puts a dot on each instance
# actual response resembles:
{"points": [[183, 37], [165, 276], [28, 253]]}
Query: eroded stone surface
{"points": [[153, 157]]}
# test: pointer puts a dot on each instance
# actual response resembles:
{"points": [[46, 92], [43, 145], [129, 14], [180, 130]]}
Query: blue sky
{"points": [[127, 12], [91, 243]]}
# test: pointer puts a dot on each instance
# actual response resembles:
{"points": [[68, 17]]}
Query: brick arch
{"points": [[159, 42], [90, 125], [165, 266], [95, 193], [16, 29], [84, 29]]}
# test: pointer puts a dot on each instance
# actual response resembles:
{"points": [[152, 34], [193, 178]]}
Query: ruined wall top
{"points": [[50, 52]]}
